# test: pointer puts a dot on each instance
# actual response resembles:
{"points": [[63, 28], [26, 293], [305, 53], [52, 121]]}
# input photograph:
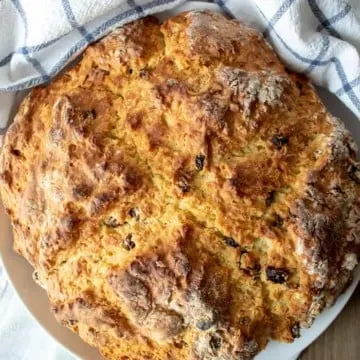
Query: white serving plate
{"points": [[36, 301]]}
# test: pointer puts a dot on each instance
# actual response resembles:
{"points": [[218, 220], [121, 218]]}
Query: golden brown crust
{"points": [[181, 195]]}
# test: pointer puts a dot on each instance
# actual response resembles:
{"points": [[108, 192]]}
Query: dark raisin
{"points": [[215, 342], [6, 177], [295, 330], [179, 344], [299, 85], [82, 302], [130, 71], [256, 267], [246, 271], [90, 114], [186, 268], [205, 324], [354, 173], [277, 275], [131, 180], [134, 213], [199, 162], [252, 271], [183, 185], [338, 189], [143, 73], [16, 152], [112, 222], [73, 322], [279, 141], [235, 182], [245, 320], [278, 221], [129, 244], [256, 272], [81, 191], [229, 241], [270, 198]]}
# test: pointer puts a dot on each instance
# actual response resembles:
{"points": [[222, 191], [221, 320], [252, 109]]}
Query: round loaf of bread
{"points": [[182, 195]]}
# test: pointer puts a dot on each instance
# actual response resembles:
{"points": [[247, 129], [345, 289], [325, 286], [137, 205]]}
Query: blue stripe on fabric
{"points": [[285, 6], [224, 8], [39, 68], [339, 69], [324, 48], [6, 59], [155, 3], [78, 47], [111, 22], [353, 84], [28, 49], [83, 43], [322, 18], [24, 85], [293, 52], [131, 12], [328, 22], [21, 11], [36, 48], [35, 63], [346, 86], [74, 24], [138, 8]]}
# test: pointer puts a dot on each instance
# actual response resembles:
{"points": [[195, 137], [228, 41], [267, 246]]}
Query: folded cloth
{"points": [[319, 38]]}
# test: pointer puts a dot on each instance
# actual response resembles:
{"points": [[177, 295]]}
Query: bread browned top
{"points": [[181, 195]]}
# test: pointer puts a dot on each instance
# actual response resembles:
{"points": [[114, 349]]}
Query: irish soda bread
{"points": [[181, 195]]}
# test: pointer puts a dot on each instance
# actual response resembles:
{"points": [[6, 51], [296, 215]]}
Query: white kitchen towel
{"points": [[320, 38]]}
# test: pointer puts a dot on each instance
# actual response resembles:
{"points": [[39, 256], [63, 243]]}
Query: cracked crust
{"points": [[181, 195]]}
